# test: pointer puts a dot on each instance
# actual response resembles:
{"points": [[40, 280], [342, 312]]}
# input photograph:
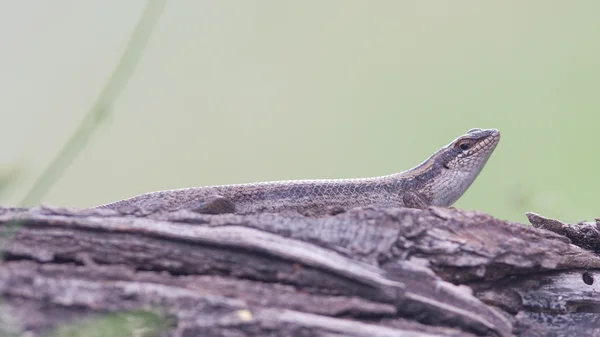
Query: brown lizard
{"points": [[438, 181]]}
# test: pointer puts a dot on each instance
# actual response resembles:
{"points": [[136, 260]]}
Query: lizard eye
{"points": [[465, 144]]}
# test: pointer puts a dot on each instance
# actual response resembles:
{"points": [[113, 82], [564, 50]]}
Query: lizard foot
{"points": [[214, 205], [335, 210]]}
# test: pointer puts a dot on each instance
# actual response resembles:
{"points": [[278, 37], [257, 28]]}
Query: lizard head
{"points": [[449, 172], [459, 163], [470, 152]]}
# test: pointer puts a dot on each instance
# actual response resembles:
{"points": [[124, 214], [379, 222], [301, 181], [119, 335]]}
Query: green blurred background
{"points": [[243, 91]]}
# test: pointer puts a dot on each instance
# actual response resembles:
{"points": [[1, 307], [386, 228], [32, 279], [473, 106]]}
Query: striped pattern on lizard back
{"points": [[305, 196]]}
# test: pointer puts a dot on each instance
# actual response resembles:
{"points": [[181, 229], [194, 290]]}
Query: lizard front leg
{"points": [[415, 200]]}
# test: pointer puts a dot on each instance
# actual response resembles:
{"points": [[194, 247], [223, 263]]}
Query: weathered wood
{"points": [[584, 234], [365, 272]]}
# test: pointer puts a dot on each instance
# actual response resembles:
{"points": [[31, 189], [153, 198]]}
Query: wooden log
{"points": [[365, 272]]}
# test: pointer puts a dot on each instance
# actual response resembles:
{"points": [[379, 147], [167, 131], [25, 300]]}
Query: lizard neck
{"points": [[438, 183]]}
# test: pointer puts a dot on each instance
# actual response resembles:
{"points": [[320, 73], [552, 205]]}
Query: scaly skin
{"points": [[438, 181]]}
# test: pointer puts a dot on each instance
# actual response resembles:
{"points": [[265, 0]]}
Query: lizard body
{"points": [[438, 181]]}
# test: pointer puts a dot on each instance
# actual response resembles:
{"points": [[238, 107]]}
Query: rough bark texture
{"points": [[366, 272]]}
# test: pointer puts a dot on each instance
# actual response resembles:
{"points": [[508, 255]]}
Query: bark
{"points": [[365, 272]]}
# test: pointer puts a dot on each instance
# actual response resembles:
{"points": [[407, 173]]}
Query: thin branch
{"points": [[103, 104]]}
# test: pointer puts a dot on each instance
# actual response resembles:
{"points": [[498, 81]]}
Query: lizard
{"points": [[438, 181]]}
